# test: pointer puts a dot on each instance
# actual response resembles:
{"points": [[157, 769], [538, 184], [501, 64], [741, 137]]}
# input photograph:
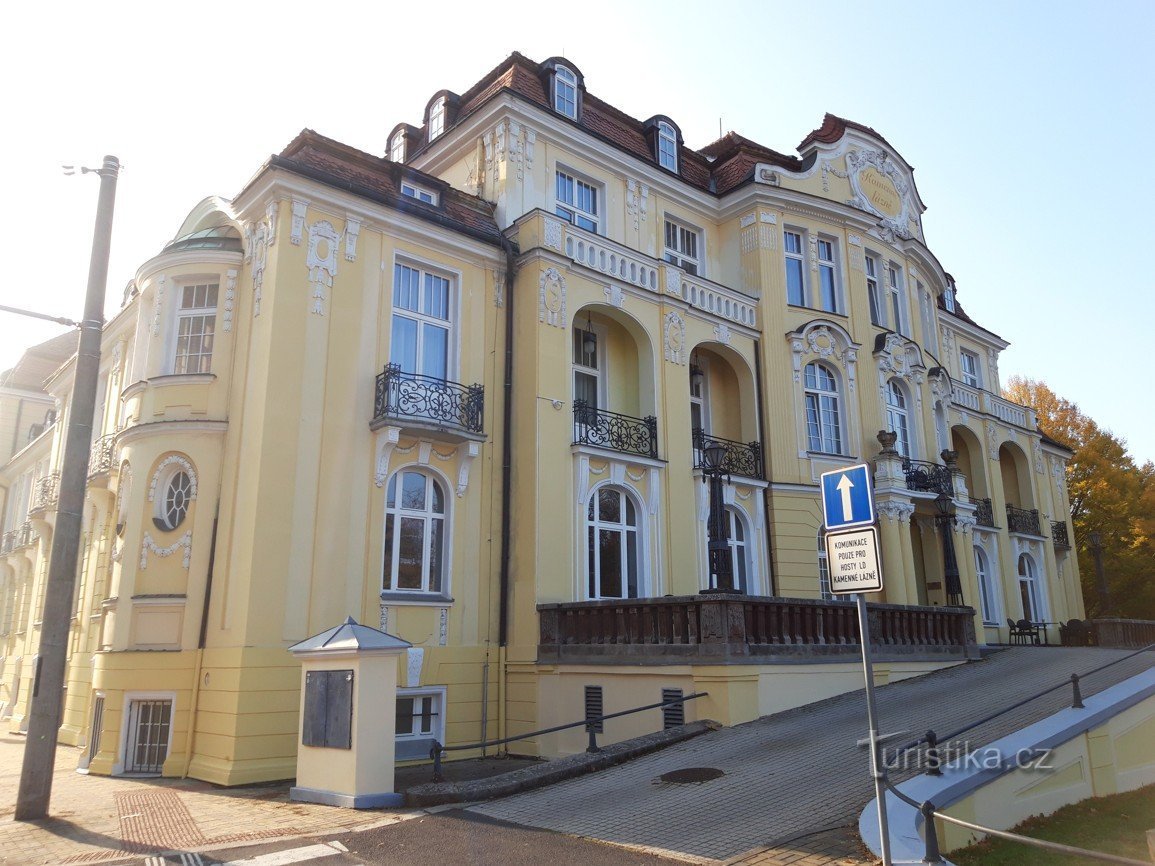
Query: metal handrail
{"points": [[625, 433], [590, 723]]}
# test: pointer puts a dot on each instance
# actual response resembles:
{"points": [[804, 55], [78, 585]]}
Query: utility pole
{"points": [[48, 678]]}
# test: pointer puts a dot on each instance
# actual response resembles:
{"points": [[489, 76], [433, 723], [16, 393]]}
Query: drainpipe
{"points": [[190, 737], [758, 397], [506, 484]]}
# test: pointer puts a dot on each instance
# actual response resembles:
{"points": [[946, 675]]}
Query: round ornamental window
{"points": [[177, 495]]}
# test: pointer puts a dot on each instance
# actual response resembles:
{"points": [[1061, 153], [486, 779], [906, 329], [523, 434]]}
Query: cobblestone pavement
{"points": [[98, 818], [797, 773]]}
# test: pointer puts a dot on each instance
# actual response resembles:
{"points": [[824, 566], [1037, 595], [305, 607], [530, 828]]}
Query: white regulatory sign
{"points": [[852, 558]]}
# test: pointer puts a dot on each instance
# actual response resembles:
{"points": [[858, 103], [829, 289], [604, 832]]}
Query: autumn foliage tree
{"points": [[1109, 495]]}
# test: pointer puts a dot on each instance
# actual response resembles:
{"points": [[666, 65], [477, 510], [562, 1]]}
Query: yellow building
{"points": [[467, 392]]}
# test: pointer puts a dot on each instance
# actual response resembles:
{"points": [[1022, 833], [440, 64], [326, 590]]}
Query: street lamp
{"points": [[944, 503], [720, 564], [1096, 540]]}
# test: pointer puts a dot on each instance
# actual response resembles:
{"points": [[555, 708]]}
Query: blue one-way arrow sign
{"points": [[847, 498]]}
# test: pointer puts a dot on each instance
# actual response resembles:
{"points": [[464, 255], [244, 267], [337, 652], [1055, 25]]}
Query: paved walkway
{"points": [[792, 790], [797, 774]]}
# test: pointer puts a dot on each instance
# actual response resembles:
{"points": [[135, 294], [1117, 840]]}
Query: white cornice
{"points": [[978, 334], [167, 428], [181, 258]]}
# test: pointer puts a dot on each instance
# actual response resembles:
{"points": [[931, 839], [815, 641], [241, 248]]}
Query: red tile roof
{"points": [[834, 127]]}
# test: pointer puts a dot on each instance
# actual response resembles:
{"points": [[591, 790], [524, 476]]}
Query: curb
{"points": [[529, 778]]}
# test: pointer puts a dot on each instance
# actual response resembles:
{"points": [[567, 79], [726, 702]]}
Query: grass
{"points": [[1117, 824]]}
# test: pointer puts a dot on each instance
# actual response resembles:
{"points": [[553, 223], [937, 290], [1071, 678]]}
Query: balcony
{"points": [[742, 458], [45, 493], [1023, 521], [100, 457], [925, 477], [624, 433], [746, 629], [984, 512], [1059, 535], [427, 401], [16, 539], [978, 400]]}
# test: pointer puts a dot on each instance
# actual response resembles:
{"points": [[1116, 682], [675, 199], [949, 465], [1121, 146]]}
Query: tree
{"points": [[1109, 495]]}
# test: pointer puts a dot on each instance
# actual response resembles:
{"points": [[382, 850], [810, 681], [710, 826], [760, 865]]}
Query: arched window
{"points": [[823, 425], [1029, 588], [565, 92], [667, 146], [613, 546], [397, 146], [988, 594], [437, 118], [738, 538], [896, 417], [414, 534]]}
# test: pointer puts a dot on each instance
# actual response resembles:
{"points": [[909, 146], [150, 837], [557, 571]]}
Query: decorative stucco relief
{"points": [[674, 339], [321, 261], [552, 298]]}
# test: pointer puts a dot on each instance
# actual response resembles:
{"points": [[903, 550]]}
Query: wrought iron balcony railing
{"points": [[428, 399], [1023, 520], [45, 492], [100, 457], [742, 458], [928, 477], [984, 512], [8, 541], [593, 426], [1059, 534]]}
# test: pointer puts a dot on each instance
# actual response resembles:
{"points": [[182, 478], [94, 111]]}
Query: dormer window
{"points": [[667, 146], [437, 119], [565, 92], [948, 297], [397, 146], [418, 192]]}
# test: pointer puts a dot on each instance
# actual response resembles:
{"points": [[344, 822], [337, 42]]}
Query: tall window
{"points": [[948, 297], [896, 417], [1029, 588], [987, 593], [586, 365], [667, 146], [877, 311], [397, 146], [437, 119], [699, 404], [739, 550], [577, 201], [682, 247], [196, 326], [421, 322], [969, 362], [827, 276], [795, 269], [414, 534], [613, 545], [565, 92], [823, 568], [823, 426], [894, 291]]}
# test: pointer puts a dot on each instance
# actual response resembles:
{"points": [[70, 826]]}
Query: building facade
{"points": [[466, 392]]}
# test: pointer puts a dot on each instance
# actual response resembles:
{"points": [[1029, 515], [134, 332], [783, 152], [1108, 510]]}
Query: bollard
{"points": [[1077, 698], [593, 745], [932, 855], [933, 761], [435, 754]]}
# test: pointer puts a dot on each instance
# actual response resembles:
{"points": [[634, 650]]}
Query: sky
{"points": [[1027, 124]]}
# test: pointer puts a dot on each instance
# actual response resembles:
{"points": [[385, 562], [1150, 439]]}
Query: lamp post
{"points": [[720, 564], [1096, 540], [945, 520]]}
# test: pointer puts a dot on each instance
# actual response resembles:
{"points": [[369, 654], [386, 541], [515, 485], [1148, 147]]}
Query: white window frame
{"points": [[988, 588], [439, 694], [572, 211], [684, 236], [896, 298], [667, 146], [874, 298], [601, 335], [565, 92], [824, 399], [208, 315], [418, 192], [740, 550], [436, 119], [702, 398], [597, 525], [397, 146], [427, 517], [898, 417], [1033, 592], [948, 298], [125, 733], [826, 252], [973, 376], [823, 569], [798, 256], [422, 318]]}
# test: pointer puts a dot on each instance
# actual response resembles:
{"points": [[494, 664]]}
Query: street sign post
{"points": [[847, 498], [852, 563]]}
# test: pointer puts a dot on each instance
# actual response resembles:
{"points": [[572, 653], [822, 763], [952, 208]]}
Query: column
{"points": [[894, 518]]}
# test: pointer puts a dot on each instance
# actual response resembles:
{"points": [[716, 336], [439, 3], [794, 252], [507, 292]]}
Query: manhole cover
{"points": [[691, 775]]}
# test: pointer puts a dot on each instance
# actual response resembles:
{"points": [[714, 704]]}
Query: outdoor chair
{"points": [[1023, 632], [1074, 633]]}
